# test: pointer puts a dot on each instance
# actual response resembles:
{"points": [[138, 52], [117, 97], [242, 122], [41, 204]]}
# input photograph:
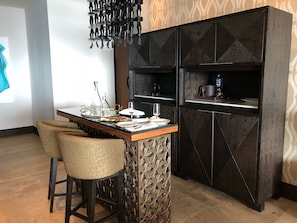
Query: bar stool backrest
{"points": [[48, 129], [91, 158]]}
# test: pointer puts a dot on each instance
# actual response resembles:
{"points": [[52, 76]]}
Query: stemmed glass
{"points": [[156, 110], [131, 109]]}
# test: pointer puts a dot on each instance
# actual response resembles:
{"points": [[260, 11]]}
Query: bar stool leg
{"points": [[91, 200], [50, 180], [68, 199], [120, 196], [53, 177]]}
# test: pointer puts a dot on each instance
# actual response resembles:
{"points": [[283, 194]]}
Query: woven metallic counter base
{"points": [[147, 180]]}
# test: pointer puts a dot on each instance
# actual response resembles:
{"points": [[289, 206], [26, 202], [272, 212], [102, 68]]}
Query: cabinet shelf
{"points": [[226, 103], [227, 66], [237, 85], [145, 83], [163, 98]]}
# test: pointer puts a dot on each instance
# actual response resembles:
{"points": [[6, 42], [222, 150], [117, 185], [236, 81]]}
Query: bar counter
{"points": [[147, 171]]}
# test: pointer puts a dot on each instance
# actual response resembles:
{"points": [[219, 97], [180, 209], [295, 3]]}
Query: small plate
{"points": [[125, 124], [140, 120], [160, 121]]}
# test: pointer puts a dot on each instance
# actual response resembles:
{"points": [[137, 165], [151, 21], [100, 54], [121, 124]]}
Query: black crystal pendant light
{"points": [[114, 21]]}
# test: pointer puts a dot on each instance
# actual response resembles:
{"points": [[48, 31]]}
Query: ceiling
{"points": [[16, 3]]}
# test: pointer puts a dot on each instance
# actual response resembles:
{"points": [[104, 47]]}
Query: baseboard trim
{"points": [[18, 131], [289, 191]]}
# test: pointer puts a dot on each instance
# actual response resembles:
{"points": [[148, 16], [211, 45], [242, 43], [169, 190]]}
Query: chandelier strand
{"points": [[112, 21]]}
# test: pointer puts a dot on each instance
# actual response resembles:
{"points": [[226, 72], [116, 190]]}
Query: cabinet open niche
{"points": [[153, 83], [241, 86]]}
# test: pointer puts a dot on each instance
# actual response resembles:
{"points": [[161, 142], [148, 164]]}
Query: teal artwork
{"points": [[3, 78]]}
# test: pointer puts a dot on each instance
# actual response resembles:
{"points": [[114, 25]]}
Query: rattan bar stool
{"points": [[47, 130], [93, 160]]}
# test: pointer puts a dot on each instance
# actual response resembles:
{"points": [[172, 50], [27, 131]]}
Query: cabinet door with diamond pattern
{"points": [[139, 53], [236, 155], [163, 44], [240, 37], [195, 145], [197, 43]]}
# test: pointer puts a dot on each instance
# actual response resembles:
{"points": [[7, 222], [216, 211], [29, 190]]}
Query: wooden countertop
{"points": [[74, 115]]}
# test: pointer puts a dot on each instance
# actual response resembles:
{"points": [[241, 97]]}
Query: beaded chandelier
{"points": [[114, 21]]}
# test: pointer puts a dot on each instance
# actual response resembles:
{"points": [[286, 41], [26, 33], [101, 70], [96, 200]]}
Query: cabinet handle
{"points": [[225, 63], [223, 113], [215, 112], [149, 67], [147, 103], [201, 110], [127, 82]]}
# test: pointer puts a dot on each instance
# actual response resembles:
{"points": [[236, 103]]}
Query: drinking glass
{"points": [[131, 109], [156, 110]]}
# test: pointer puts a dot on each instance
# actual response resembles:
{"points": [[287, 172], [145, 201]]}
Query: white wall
{"points": [[40, 61], [74, 65], [62, 67], [17, 113]]}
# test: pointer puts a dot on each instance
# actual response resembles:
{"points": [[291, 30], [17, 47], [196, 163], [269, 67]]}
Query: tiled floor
{"points": [[23, 193]]}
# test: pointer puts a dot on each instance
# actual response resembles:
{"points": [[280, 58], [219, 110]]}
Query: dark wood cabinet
{"points": [[195, 157], [153, 83], [234, 143], [241, 86], [139, 53], [247, 138], [236, 38], [153, 77], [197, 43], [157, 48], [235, 158], [240, 37], [221, 150], [163, 46]]}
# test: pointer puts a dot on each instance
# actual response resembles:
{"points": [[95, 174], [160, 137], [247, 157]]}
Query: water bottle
{"points": [[219, 86], [156, 89]]}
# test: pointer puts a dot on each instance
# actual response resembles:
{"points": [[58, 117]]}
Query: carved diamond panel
{"points": [[196, 145], [235, 155], [147, 180], [163, 48], [241, 43], [197, 43], [139, 54]]}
